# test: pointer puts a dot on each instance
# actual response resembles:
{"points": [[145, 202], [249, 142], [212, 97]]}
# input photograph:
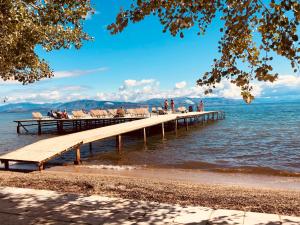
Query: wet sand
{"points": [[268, 194], [193, 176]]}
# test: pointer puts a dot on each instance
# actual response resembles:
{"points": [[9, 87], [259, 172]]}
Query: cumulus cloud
{"points": [[137, 83], [140, 90], [181, 85], [37, 95]]}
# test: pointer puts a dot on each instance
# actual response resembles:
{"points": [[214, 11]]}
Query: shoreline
{"points": [[193, 176], [174, 187]]}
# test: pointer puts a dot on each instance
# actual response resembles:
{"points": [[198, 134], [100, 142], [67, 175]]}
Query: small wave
{"points": [[110, 167], [257, 170], [231, 169]]}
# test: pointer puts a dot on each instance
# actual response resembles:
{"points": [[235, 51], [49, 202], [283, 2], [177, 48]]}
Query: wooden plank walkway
{"points": [[44, 150], [62, 126]]}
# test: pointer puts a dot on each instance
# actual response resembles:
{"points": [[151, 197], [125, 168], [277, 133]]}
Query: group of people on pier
{"points": [[200, 106], [120, 112], [58, 114]]}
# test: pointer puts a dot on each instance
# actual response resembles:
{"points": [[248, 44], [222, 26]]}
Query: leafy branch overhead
{"points": [[252, 30], [26, 24]]}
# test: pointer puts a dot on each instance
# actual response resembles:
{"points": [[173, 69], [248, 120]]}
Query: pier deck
{"points": [[44, 150], [63, 126]]}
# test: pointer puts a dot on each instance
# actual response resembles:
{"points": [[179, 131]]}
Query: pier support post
{"points": [[163, 130], [186, 124], [77, 160], [145, 135], [119, 142], [41, 166], [176, 126], [39, 128], [18, 128], [90, 146], [6, 164]]}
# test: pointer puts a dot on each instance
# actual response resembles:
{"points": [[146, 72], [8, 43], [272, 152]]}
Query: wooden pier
{"points": [[45, 150], [62, 126]]}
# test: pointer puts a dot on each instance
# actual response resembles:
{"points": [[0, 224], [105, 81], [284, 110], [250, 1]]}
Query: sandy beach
{"points": [[264, 196]]}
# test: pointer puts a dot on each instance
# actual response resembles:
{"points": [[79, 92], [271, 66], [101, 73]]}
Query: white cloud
{"points": [[76, 73], [181, 85], [60, 74], [137, 83], [139, 90]]}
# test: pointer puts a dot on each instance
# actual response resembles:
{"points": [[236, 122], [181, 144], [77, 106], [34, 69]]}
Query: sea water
{"points": [[256, 138]]}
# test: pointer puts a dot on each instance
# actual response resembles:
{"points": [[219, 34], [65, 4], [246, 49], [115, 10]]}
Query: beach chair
{"points": [[94, 113], [79, 114], [145, 112], [131, 112], [160, 111], [75, 114], [102, 113], [37, 115], [112, 112], [154, 110], [182, 109]]}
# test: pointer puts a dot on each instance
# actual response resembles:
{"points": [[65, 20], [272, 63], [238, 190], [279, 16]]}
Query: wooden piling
{"points": [[145, 135], [39, 128], [77, 160], [119, 142], [186, 124], [18, 128], [6, 164], [176, 126], [41, 166], [90, 146], [163, 130]]}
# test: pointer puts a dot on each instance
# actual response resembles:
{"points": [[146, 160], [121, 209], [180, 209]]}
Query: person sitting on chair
{"points": [[120, 112]]}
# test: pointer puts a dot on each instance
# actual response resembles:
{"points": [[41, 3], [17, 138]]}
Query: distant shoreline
{"points": [[156, 186]]}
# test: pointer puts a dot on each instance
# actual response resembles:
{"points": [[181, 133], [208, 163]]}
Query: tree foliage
{"points": [[252, 29], [26, 24]]}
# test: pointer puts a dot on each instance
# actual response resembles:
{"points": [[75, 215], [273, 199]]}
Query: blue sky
{"points": [[140, 63]]}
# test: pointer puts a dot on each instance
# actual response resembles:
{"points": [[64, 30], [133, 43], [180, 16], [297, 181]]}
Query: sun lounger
{"points": [[131, 112], [112, 112], [79, 114], [94, 113], [182, 109], [103, 113], [142, 112], [37, 115], [154, 110]]}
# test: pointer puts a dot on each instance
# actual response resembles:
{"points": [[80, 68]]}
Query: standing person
{"points": [[172, 105], [166, 105], [201, 106], [65, 114]]}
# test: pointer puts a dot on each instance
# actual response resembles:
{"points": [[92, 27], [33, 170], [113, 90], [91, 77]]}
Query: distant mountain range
{"points": [[93, 104]]}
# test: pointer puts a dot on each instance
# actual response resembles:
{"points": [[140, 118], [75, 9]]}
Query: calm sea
{"points": [[257, 138]]}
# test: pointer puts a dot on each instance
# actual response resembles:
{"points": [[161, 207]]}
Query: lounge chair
{"points": [[131, 112], [182, 109], [143, 112], [37, 115], [154, 110], [103, 113], [94, 113], [112, 112], [79, 114]]}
